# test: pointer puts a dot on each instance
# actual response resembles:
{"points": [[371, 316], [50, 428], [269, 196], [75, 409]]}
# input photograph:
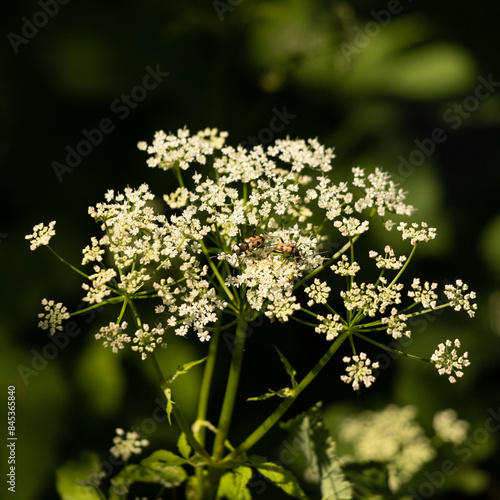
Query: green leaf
{"points": [[318, 449], [288, 367], [183, 445], [279, 476], [233, 484], [282, 393], [162, 467], [184, 369], [72, 473], [164, 457], [170, 403]]}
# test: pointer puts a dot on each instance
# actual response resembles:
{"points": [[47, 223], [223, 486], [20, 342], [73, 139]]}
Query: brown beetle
{"points": [[288, 249], [250, 243]]}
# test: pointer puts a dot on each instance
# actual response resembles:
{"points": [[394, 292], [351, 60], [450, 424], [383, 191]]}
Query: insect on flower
{"points": [[250, 243], [288, 250]]}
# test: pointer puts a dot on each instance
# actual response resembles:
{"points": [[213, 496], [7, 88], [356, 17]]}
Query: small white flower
{"points": [[54, 316], [114, 335], [124, 447], [330, 325], [460, 300], [449, 428], [344, 267], [318, 292], [424, 294], [388, 261], [352, 226], [41, 235], [416, 234], [360, 371], [448, 362]]}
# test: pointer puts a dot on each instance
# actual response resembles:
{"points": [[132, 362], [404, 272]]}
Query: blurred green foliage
{"points": [[371, 90]]}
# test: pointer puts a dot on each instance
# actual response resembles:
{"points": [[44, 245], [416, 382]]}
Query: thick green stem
{"points": [[231, 389], [283, 407]]}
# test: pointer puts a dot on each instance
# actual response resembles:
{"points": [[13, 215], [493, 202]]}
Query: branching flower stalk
{"points": [[240, 240]]}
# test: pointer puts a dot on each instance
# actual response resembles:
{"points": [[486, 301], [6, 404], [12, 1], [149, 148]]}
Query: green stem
{"points": [[231, 388], [178, 415], [205, 385], [217, 274], [67, 263], [390, 349], [283, 407]]}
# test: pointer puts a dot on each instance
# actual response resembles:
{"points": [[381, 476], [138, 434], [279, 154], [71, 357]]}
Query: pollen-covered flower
{"points": [[360, 371], [448, 362], [449, 427], [124, 447], [54, 316], [41, 235], [459, 299]]}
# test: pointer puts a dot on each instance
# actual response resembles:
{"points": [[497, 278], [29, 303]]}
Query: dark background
{"points": [[375, 90]]}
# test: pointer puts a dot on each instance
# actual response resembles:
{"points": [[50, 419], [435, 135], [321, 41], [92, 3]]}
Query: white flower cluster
{"points": [[449, 428], [460, 300], [345, 268], [248, 227], [180, 150], [360, 371], [388, 261], [416, 234], [391, 436], [448, 362], [124, 447], [41, 235], [54, 316], [330, 325], [318, 292]]}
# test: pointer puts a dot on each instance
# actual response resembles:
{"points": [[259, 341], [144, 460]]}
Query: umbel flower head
{"points": [[245, 229]]}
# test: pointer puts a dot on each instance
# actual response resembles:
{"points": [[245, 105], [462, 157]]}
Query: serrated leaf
{"points": [[279, 476], [318, 448], [184, 446], [288, 367], [233, 484]]}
